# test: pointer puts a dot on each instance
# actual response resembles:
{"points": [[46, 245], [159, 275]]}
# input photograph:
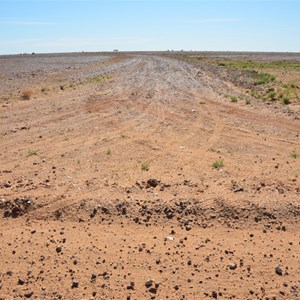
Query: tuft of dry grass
{"points": [[26, 95], [145, 166]]}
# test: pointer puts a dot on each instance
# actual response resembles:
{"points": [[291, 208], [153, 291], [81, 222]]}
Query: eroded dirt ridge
{"points": [[135, 177]]}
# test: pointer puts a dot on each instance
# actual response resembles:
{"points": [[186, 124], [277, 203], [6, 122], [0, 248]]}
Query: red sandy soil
{"points": [[81, 219]]}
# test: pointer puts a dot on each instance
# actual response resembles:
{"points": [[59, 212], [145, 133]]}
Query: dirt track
{"points": [[71, 177]]}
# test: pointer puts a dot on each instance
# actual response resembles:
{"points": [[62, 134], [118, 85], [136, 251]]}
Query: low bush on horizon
{"points": [[251, 64]]}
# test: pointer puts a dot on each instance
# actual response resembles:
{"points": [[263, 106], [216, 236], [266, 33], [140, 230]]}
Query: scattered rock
{"points": [[278, 270], [75, 284], [149, 283], [153, 290], [152, 183], [188, 227], [28, 295], [16, 212], [58, 249], [131, 286], [232, 266]]}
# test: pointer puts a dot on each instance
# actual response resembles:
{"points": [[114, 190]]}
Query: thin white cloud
{"points": [[25, 22]]}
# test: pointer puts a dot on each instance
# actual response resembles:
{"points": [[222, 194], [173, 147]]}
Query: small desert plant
{"points": [[218, 164], [26, 95], [272, 96], [213, 150], [263, 78], [234, 99], [248, 101], [99, 79], [78, 161], [294, 154], [108, 152], [255, 94], [44, 89], [32, 152], [286, 100], [145, 166]]}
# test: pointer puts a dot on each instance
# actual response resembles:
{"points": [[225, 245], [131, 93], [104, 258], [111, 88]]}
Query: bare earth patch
{"points": [[136, 176]]}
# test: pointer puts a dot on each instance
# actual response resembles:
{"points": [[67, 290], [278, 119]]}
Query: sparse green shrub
{"points": [[218, 164], [108, 152], [272, 95], [286, 100], [32, 152], [145, 166], [234, 99], [99, 78], [250, 64], [45, 89], [263, 78], [294, 154]]}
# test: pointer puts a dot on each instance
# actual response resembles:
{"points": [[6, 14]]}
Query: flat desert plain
{"points": [[164, 175]]}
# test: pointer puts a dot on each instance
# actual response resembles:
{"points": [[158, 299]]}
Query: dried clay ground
{"points": [[148, 176]]}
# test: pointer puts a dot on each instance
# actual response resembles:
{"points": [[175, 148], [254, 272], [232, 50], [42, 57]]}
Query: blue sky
{"points": [[103, 25]]}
